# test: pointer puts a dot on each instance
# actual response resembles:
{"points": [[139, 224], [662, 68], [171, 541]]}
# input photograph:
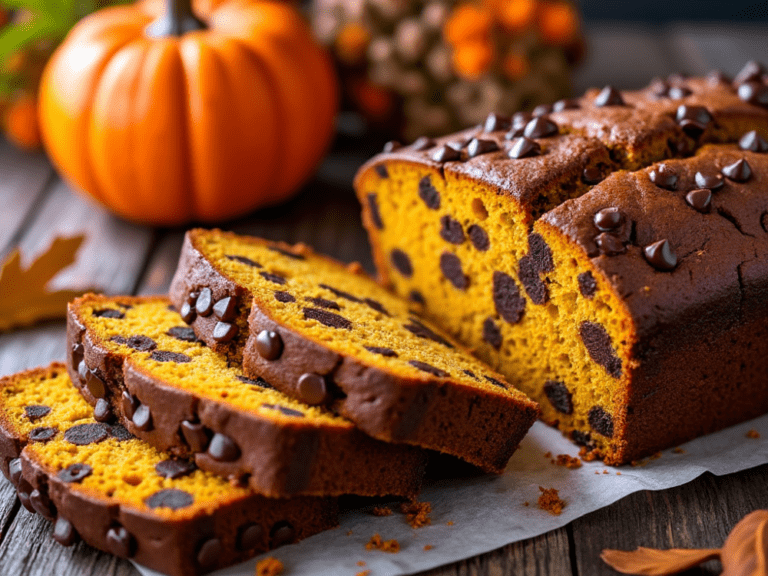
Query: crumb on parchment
{"points": [[417, 513], [378, 543], [550, 501], [269, 567]]}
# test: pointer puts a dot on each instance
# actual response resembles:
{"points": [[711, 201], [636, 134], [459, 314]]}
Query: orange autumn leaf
{"points": [[652, 562], [24, 298], [745, 550]]}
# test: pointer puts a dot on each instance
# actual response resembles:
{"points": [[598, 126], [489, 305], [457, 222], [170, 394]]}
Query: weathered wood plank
{"points": [[162, 264]]}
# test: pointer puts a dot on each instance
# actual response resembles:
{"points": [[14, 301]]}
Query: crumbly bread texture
{"points": [[328, 334], [607, 258], [134, 358], [98, 483]]}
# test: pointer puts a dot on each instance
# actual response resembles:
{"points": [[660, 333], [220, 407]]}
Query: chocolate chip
{"points": [[445, 154], [592, 175], [700, 200], [269, 345], [450, 265], [204, 304], [36, 411], [495, 382], [739, 171], [75, 473], [142, 418], [64, 533], [587, 284], [78, 352], [429, 193], [529, 277], [559, 396], [323, 303], [373, 210], [478, 237], [244, 260], [42, 504], [283, 409], [471, 374], [129, 404], [451, 230], [375, 305], [381, 170], [173, 468], [327, 318], [223, 448], [682, 148], [392, 145], [312, 389], [120, 433], [183, 333], [478, 146], [387, 352], [609, 96], [496, 122], [188, 313], [102, 412], [260, 382], [210, 553], [141, 343], [754, 93], [418, 329], [753, 142], [401, 262], [510, 305], [716, 77], [14, 471], [428, 368], [225, 309], [540, 253], [284, 297], [540, 127], [664, 177], [712, 181], [341, 293], [492, 333], [281, 533], [224, 332], [91, 380], [84, 434], [172, 498], [752, 70], [276, 278], [459, 144], [249, 536], [600, 421], [523, 147], [581, 438], [109, 313], [693, 119], [23, 491], [598, 343], [609, 244], [196, 435], [520, 119], [609, 219], [416, 296], [679, 92], [120, 542], [660, 256], [542, 110], [565, 104], [422, 143], [167, 356]]}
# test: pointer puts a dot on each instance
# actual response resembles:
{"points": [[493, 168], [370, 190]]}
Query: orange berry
{"points": [[515, 66], [467, 23], [472, 59], [516, 14], [352, 42], [558, 22], [21, 123]]}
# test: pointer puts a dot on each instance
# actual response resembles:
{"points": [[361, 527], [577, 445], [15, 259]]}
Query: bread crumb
{"points": [[678, 450], [428, 547], [269, 567], [381, 511], [548, 455], [361, 563], [449, 523], [526, 503], [568, 461], [587, 455], [417, 513], [550, 501], [349, 532], [753, 434], [605, 471], [363, 573], [378, 543], [618, 473]]}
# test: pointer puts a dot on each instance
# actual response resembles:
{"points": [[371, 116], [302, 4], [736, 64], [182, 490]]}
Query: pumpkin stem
{"points": [[179, 18]]}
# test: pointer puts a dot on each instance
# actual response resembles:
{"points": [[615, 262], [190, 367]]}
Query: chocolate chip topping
{"points": [[678, 92], [700, 200], [418, 329], [129, 403], [496, 122], [281, 533], [284, 297], [429, 193], [284, 410], [109, 313], [540, 127], [529, 277], [428, 368], [510, 305], [196, 435], [422, 143], [168, 356], [84, 434], [14, 471], [450, 265], [78, 352], [609, 96], [64, 533], [327, 318], [93, 382], [479, 146], [223, 449], [592, 175], [739, 171], [392, 145], [609, 219], [754, 92], [542, 110], [373, 210], [209, 554], [492, 333], [120, 433], [664, 177], [42, 504], [600, 421], [204, 303], [120, 542], [142, 418], [712, 181], [752, 70], [36, 411], [445, 153], [102, 412], [451, 230], [224, 332], [523, 147], [173, 468], [287, 253], [75, 473], [312, 389], [269, 345], [716, 77], [270, 277], [249, 536], [172, 498], [693, 119], [610, 245], [478, 237], [382, 351], [660, 256], [559, 396], [598, 343], [381, 170], [587, 284], [244, 260], [401, 262], [183, 333], [225, 309], [188, 313], [753, 142], [540, 253]]}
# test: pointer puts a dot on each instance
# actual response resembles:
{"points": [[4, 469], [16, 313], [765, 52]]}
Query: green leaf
{"points": [[14, 38]]}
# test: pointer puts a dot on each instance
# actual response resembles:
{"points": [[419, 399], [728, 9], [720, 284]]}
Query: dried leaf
{"points": [[652, 562], [745, 550], [24, 298]]}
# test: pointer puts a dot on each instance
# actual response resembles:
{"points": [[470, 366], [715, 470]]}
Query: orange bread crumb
{"points": [[428, 547], [361, 563], [753, 434], [378, 543], [363, 573], [568, 461], [550, 501], [678, 451], [269, 567], [381, 511], [449, 523], [417, 513]]}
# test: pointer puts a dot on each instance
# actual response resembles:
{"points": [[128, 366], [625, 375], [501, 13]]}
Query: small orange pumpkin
{"points": [[166, 118]]}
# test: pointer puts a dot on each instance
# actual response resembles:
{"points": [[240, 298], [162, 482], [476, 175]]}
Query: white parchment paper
{"points": [[488, 512]]}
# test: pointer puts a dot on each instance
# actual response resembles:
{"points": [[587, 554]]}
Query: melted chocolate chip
{"points": [[416, 296], [451, 230], [495, 382], [223, 449], [712, 181], [120, 433], [716, 77], [270, 277], [129, 404], [587, 284], [542, 110], [120, 542], [376, 305], [739, 171], [167, 356], [524, 147], [139, 343], [327, 318], [592, 175], [102, 412], [610, 245], [387, 352], [598, 343], [392, 145], [540, 127], [172, 498], [281, 533], [678, 92], [323, 303], [660, 256], [173, 468], [142, 418], [428, 368], [471, 374], [64, 533], [492, 333], [204, 304], [188, 313], [700, 200], [401, 262], [224, 332], [445, 154], [609, 96], [42, 434], [381, 170], [36, 411], [244, 260], [78, 352], [109, 313], [600, 421], [260, 382], [373, 210], [341, 293], [529, 277], [565, 104], [478, 146], [581, 438], [540, 253], [209, 554], [559, 396], [609, 219], [225, 309], [664, 177], [14, 471], [510, 305], [693, 119], [422, 143], [286, 253], [496, 122], [284, 410], [429, 193], [450, 265], [90, 378], [196, 435], [84, 434], [269, 345], [478, 237], [753, 142], [312, 389], [249, 536], [75, 473], [754, 93], [284, 297], [418, 329], [183, 333]]}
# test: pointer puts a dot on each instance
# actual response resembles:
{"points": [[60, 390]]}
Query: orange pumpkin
{"points": [[166, 118]]}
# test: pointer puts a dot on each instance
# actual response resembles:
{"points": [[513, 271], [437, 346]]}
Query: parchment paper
{"points": [[488, 512]]}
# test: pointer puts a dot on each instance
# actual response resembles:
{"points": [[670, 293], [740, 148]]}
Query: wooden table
{"points": [[121, 258]]}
